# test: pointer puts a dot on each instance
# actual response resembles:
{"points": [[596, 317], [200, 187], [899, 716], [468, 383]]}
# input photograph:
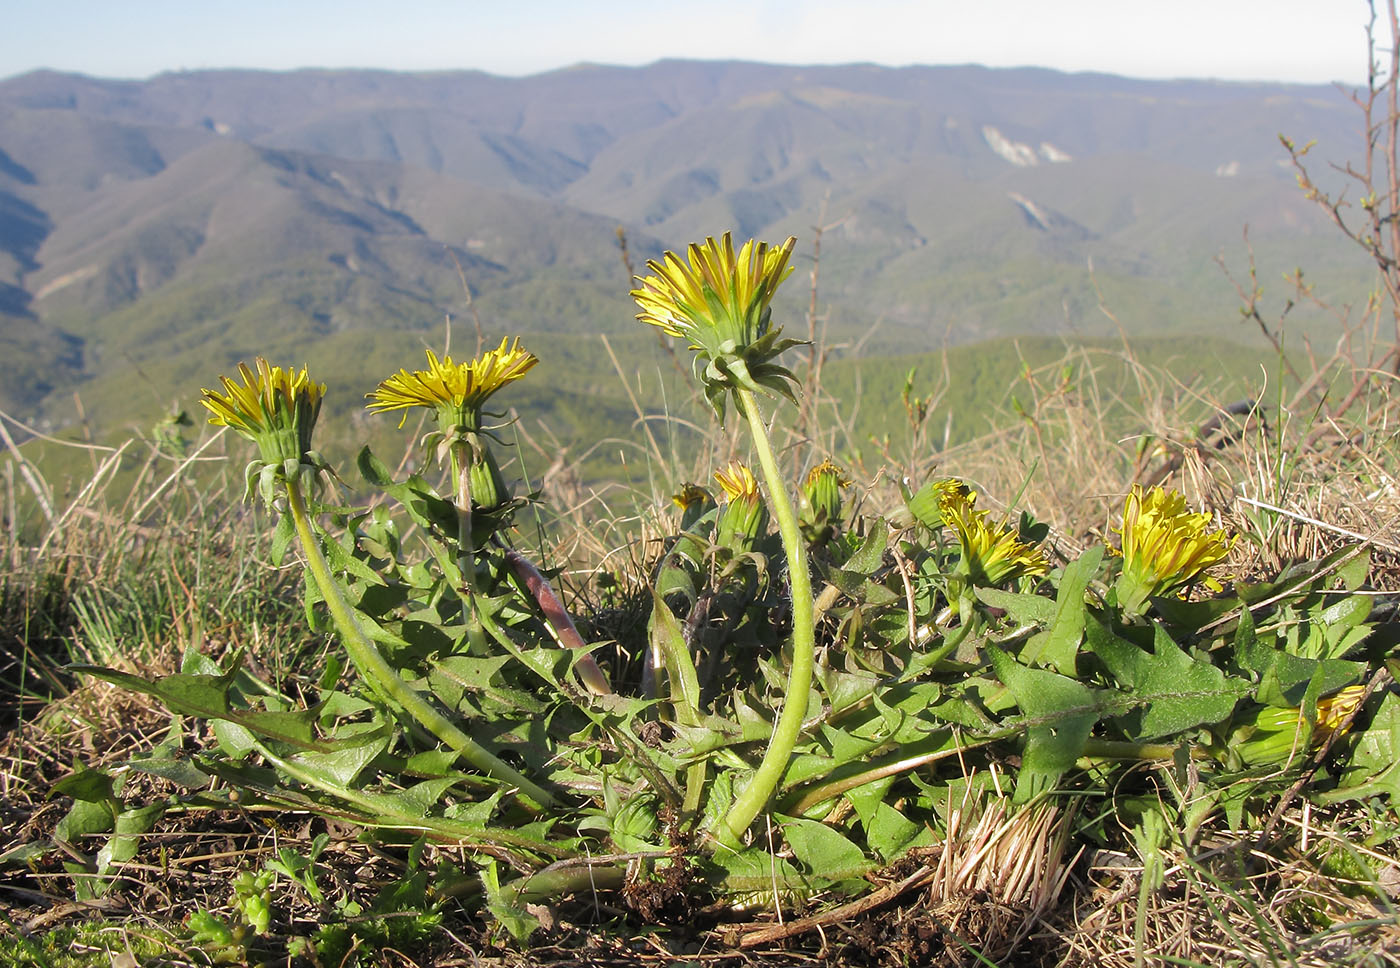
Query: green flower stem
{"points": [[760, 789], [466, 549], [909, 758], [916, 755], [381, 676], [1106, 749], [556, 882]]}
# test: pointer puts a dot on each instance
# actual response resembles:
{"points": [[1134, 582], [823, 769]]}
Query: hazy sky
{"points": [[1312, 41]]}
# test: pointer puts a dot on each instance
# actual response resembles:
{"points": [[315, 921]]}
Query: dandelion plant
{"points": [[720, 302], [277, 410]]}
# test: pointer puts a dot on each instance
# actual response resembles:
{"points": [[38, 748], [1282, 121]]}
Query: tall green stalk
{"points": [[381, 676], [466, 546], [466, 549], [760, 789]]}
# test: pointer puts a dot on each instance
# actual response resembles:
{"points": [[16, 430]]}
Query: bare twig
{"points": [[877, 898]]}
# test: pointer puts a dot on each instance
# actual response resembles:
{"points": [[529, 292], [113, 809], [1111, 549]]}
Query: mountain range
{"points": [[155, 232]]}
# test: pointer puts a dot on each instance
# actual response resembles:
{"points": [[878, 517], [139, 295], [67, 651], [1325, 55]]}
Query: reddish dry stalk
{"points": [[558, 618]]}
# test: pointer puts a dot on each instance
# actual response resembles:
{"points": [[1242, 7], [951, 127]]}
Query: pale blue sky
{"points": [[1312, 41]]}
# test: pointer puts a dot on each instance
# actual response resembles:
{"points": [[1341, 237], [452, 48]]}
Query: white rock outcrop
{"points": [[1020, 155]]}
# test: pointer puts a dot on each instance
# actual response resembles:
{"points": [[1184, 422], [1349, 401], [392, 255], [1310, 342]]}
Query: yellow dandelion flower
{"points": [[720, 302], [695, 502], [690, 496], [991, 553], [717, 290], [1279, 734], [745, 517], [737, 481], [455, 391], [1333, 710], [926, 503], [1165, 546], [275, 408]]}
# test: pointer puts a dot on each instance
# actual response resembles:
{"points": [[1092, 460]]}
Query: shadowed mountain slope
{"points": [[175, 225]]}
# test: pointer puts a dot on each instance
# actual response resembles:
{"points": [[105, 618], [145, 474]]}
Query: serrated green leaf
{"points": [[1251, 654], [430, 763], [310, 597], [846, 748], [875, 595], [867, 797], [851, 583], [1289, 678], [1352, 574], [755, 870], [551, 665], [805, 766], [719, 798], [824, 852], [372, 469], [343, 562], [1023, 607], [1058, 646], [1350, 641], [903, 713], [676, 578], [163, 762], [126, 835], [234, 740], [891, 834], [207, 697], [448, 678], [379, 633], [755, 723], [476, 814], [1176, 691], [424, 796], [958, 711], [348, 760], [84, 783], [424, 506], [24, 854], [503, 907], [871, 554], [1300, 580], [1195, 615], [380, 600], [1060, 713], [84, 819], [846, 689], [712, 733], [667, 639], [1347, 613]]}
